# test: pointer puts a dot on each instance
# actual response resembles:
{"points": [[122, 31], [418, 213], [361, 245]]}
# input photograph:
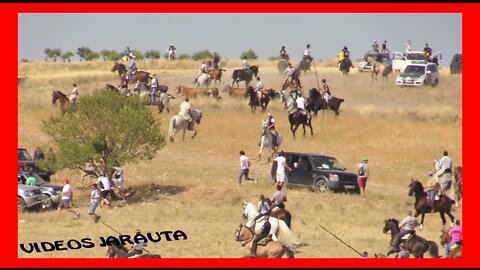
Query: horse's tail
{"points": [[433, 249], [286, 236], [289, 252], [172, 126]]}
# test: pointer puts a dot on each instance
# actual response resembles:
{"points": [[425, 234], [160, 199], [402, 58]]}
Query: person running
{"points": [[245, 169]]}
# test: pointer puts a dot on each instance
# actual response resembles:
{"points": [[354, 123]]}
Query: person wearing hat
{"points": [[126, 54], [171, 52], [94, 201], [406, 226], [432, 188], [326, 92], [271, 128], [132, 68], [375, 46], [259, 88], [362, 175], [67, 197], [140, 244], [154, 87], [427, 51]]}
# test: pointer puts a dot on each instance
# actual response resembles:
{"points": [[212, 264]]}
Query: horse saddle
{"points": [[134, 71], [407, 237], [264, 241]]}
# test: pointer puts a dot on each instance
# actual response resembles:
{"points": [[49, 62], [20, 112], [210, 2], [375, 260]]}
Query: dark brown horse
{"points": [[241, 75], [281, 213], [216, 75], [118, 251], [296, 119], [456, 251], [253, 102], [457, 174], [416, 244], [316, 103], [442, 206], [142, 76], [64, 100]]}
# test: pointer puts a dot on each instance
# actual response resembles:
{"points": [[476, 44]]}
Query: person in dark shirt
{"points": [[265, 231]]}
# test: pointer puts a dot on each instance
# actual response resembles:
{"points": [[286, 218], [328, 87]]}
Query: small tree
{"points": [[92, 56], [249, 54], [138, 55], [49, 53], [152, 54], [57, 53], [105, 126], [66, 56], [82, 52], [205, 54], [183, 56]]}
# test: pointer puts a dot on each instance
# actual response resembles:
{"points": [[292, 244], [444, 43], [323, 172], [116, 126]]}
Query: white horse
{"points": [[178, 122], [266, 141], [164, 101], [203, 80], [279, 229]]}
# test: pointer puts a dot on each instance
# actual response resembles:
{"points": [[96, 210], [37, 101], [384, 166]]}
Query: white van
{"points": [[401, 60]]}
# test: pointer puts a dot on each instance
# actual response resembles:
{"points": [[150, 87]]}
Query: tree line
{"points": [[87, 54]]}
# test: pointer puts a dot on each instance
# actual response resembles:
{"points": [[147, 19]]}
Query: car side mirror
{"points": [[429, 72]]}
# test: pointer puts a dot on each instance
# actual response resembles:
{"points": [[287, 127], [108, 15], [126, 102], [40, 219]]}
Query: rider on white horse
{"points": [[185, 110]]}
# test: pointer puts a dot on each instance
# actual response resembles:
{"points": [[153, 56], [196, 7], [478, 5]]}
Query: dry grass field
{"points": [[401, 130]]}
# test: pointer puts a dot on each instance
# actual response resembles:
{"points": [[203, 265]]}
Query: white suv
{"points": [[402, 60], [419, 73]]}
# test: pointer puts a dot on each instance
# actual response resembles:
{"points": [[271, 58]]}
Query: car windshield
{"points": [[37, 177], [24, 155], [415, 56], [415, 71], [327, 163]]}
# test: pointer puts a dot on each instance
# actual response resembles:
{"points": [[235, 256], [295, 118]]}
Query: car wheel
{"points": [[21, 204], [435, 84], [321, 185]]}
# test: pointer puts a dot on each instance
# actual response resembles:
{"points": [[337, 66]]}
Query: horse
{"points": [[241, 75], [282, 65], [118, 251], [142, 76], [279, 229], [422, 206], [203, 80], [266, 141], [316, 102], [379, 67], [345, 66], [289, 81], [304, 65], [457, 174], [281, 214], [178, 122], [254, 103], [216, 75], [273, 249], [163, 102], [297, 118], [456, 250], [64, 100], [415, 244]]}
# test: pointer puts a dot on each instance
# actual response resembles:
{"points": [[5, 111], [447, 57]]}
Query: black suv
{"points": [[456, 64], [319, 172]]}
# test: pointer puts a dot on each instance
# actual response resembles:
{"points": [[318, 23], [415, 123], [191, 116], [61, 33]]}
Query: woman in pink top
{"points": [[455, 236]]}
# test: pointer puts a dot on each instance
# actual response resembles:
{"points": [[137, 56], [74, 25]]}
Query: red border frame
{"points": [[10, 15]]}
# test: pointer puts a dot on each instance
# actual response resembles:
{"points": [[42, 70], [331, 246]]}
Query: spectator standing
{"points": [[67, 198], [281, 165], [119, 179], [107, 189], [74, 94], [363, 173], [31, 181], [38, 154], [94, 201]]}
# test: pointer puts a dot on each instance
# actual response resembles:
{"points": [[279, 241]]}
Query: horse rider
{"points": [[171, 52], [185, 110], [264, 233], [138, 248], [74, 94], [375, 46], [408, 224], [455, 237], [132, 67], [216, 60], [263, 208], [126, 54], [154, 86], [278, 199], [245, 66], [306, 54], [284, 54], [270, 128], [204, 68], [427, 51], [444, 172], [326, 92], [432, 188], [408, 46], [289, 72], [300, 101], [259, 88]]}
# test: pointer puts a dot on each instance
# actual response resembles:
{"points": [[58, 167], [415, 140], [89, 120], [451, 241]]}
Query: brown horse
{"points": [[457, 174], [273, 249], [241, 75], [316, 103], [442, 206], [64, 100], [142, 76], [456, 252], [216, 75], [281, 213], [379, 67], [267, 94], [118, 251], [416, 245]]}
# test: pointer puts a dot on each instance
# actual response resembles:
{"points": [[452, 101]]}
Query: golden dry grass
{"points": [[401, 130]]}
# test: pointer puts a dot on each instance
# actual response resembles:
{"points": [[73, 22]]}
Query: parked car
{"points": [[365, 66], [319, 172], [402, 60], [419, 73], [27, 163], [29, 197], [52, 192], [456, 64]]}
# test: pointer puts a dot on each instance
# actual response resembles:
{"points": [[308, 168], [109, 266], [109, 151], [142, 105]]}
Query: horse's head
{"points": [[115, 67], [54, 97], [244, 214], [254, 70], [444, 237], [390, 224], [243, 233], [178, 88], [197, 116], [415, 187]]}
